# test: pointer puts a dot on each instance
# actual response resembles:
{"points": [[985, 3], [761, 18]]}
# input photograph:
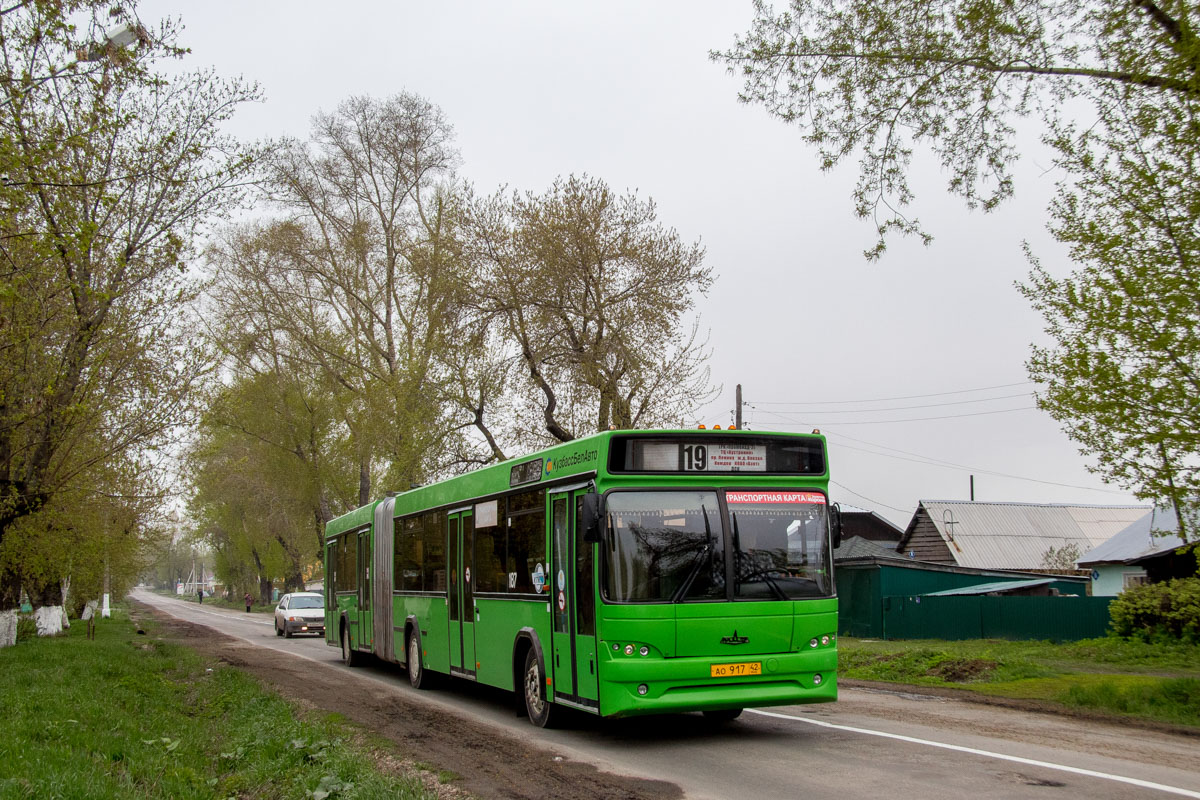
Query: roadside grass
{"points": [[1158, 682], [128, 715]]}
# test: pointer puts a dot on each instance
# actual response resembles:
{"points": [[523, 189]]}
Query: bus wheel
{"points": [[349, 655], [541, 712], [417, 676], [723, 715]]}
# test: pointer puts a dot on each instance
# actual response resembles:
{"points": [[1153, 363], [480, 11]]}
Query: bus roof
{"points": [[583, 457]]}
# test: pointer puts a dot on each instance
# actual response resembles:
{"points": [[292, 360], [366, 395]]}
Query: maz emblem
{"points": [[735, 639]]}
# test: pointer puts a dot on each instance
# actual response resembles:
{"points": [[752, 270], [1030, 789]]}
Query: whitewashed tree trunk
{"points": [[8, 628], [66, 602], [49, 620]]}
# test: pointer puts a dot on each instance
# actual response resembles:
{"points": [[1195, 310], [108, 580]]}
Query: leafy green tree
{"points": [[1115, 88], [262, 470], [877, 80], [359, 277], [592, 294], [109, 170], [1123, 373]]}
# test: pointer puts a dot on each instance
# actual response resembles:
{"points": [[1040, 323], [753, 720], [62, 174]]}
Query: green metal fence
{"points": [[980, 617]]}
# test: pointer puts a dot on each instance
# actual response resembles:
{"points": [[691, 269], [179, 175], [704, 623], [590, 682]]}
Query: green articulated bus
{"points": [[630, 572]]}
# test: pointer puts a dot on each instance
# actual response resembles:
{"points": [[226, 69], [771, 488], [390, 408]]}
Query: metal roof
{"points": [[1138, 540], [988, 588], [1018, 535], [858, 547]]}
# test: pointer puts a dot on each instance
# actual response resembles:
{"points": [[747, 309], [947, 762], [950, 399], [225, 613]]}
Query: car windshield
{"points": [[664, 546], [307, 602], [779, 546]]}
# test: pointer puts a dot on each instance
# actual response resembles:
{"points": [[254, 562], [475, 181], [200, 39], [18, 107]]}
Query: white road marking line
{"points": [[986, 753], [883, 734]]}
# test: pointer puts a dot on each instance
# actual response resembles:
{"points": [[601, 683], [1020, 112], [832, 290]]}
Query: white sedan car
{"points": [[300, 612]]}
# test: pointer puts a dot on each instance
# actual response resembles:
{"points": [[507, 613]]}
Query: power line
{"points": [[868, 499], [972, 470], [889, 399], [907, 419], [901, 408], [918, 458]]}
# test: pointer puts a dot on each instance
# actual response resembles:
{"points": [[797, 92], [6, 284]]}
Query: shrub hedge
{"points": [[1170, 609]]}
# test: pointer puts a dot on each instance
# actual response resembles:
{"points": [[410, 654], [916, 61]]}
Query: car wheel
{"points": [[349, 654], [277, 631], [287, 632], [723, 715], [417, 674], [541, 712]]}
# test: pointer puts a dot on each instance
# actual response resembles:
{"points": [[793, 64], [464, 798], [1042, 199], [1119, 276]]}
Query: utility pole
{"points": [[972, 488], [737, 414]]}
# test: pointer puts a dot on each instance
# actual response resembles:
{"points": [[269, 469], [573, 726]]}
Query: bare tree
{"points": [[593, 295]]}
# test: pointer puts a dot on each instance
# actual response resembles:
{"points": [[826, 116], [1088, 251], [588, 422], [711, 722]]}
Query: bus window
{"points": [[526, 550], [433, 551], [407, 556], [489, 552], [665, 546], [347, 570], [780, 545]]}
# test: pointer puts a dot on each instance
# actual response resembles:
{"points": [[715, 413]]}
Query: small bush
{"points": [[1169, 610]]}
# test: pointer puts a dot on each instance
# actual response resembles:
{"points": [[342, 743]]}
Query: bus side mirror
{"points": [[835, 525], [589, 517]]}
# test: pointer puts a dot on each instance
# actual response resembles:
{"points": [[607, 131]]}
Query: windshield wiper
{"points": [[681, 592]]}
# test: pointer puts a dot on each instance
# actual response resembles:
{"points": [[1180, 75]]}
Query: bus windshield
{"points": [[664, 546], [670, 546], [780, 545]]}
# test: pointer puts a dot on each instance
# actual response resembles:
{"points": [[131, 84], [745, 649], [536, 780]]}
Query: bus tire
{"points": [[542, 712], [723, 715], [418, 676], [349, 655]]}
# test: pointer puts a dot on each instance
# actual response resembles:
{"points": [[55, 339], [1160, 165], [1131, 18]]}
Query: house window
{"points": [[1131, 579]]}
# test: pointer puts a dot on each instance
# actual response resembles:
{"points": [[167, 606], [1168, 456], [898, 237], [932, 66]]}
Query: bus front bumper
{"points": [[630, 687]]}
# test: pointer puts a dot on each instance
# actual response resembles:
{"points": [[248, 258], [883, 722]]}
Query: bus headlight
{"points": [[817, 679], [643, 689], [813, 642]]}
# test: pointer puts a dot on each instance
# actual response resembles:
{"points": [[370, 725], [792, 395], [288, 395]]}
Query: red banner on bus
{"points": [[774, 497]]}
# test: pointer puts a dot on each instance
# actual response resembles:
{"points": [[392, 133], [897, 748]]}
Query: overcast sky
{"points": [[936, 338]]}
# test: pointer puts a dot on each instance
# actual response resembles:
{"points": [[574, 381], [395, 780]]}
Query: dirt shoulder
{"points": [[489, 763]]}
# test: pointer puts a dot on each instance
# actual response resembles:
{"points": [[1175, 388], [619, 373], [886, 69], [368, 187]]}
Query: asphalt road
{"points": [[870, 744]]}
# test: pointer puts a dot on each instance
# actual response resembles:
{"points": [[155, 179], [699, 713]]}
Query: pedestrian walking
{"points": [[200, 596], [248, 600]]}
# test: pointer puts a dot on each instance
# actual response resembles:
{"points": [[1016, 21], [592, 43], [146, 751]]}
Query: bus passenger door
{"points": [[461, 531], [573, 638], [363, 640]]}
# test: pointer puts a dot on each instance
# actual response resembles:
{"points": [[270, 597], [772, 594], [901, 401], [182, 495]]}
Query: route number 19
{"points": [[695, 457]]}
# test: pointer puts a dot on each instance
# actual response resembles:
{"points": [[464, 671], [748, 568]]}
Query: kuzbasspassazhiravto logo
{"points": [[549, 465]]}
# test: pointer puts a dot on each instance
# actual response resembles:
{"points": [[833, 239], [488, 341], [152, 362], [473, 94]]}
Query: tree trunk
{"points": [[264, 589], [364, 483], [10, 602], [47, 607]]}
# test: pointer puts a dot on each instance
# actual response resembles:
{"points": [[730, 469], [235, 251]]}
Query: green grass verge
{"points": [[128, 716], [1158, 682]]}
